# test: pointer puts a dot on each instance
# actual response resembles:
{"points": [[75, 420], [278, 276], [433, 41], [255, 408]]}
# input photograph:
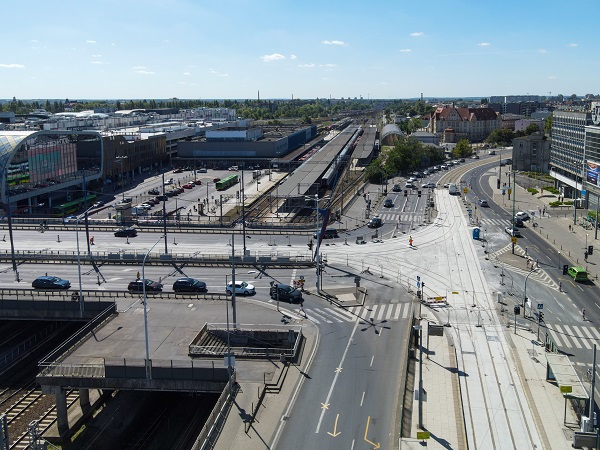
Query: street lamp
{"points": [[419, 328], [145, 298], [79, 259], [525, 289]]}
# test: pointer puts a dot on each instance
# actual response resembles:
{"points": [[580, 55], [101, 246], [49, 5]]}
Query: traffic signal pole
{"points": [[514, 194]]}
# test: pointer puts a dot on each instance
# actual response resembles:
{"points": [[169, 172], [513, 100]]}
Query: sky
{"points": [[197, 49]]}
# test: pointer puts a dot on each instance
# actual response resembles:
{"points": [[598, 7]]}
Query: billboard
{"points": [[592, 170], [52, 162]]}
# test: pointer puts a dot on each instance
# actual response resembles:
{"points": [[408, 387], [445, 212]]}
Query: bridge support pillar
{"points": [[84, 399], [62, 419]]}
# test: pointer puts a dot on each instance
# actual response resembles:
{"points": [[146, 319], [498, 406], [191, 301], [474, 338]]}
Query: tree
{"points": [[462, 149], [532, 128], [548, 125], [501, 136]]}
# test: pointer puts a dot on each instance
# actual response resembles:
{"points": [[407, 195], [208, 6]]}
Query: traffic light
{"points": [[540, 316], [590, 249], [310, 245], [565, 269], [517, 310], [405, 193], [498, 183], [419, 193]]}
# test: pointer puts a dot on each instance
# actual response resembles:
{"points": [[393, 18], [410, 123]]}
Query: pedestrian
{"points": [[410, 241], [525, 251], [138, 275], [544, 211], [560, 286], [585, 255], [583, 313], [569, 227], [527, 262]]}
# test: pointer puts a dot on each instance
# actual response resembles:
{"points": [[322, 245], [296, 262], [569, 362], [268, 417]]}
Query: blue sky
{"points": [[142, 49]]}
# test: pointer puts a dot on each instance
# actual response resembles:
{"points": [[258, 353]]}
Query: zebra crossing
{"points": [[375, 313], [574, 336], [501, 223], [399, 217], [540, 274]]}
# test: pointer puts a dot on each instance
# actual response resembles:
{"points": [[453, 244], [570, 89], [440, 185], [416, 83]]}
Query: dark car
{"points": [[178, 170], [50, 282], [519, 222], [189, 285], [126, 232], [154, 191], [162, 198], [483, 203], [389, 203], [330, 233], [375, 222], [397, 188], [138, 286], [285, 293]]}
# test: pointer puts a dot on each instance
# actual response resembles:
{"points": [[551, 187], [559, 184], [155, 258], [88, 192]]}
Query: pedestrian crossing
{"points": [[370, 313], [399, 217], [574, 336], [500, 223], [540, 274]]}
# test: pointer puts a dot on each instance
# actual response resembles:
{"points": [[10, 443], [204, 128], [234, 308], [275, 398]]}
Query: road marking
{"points": [[406, 310], [375, 446], [362, 399], [325, 405], [320, 316], [572, 335], [293, 277], [380, 313], [335, 432], [341, 364], [397, 311], [372, 358]]}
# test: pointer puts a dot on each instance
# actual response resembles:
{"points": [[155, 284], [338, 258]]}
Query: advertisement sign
{"points": [[592, 170]]}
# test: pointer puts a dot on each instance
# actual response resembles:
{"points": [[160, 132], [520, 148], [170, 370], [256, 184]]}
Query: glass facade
{"points": [[41, 163], [568, 137]]}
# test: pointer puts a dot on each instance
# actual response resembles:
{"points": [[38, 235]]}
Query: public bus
{"points": [[226, 182], [73, 206]]}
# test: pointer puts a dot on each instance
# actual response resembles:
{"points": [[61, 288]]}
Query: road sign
{"points": [[540, 306], [513, 239], [583, 192], [418, 284], [503, 192], [423, 434], [566, 389], [465, 190], [509, 191], [455, 292]]}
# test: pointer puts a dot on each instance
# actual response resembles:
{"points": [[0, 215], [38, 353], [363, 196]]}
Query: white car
{"points": [[522, 215], [241, 287], [514, 232]]}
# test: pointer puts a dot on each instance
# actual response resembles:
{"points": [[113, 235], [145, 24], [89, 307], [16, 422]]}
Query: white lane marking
{"points": [[572, 335], [556, 336], [335, 377], [338, 313], [293, 277], [315, 313], [372, 358], [397, 311], [406, 310], [381, 312], [324, 314], [362, 398]]}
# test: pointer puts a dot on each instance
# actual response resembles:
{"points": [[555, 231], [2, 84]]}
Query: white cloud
{"points": [[573, 45], [186, 74], [329, 65], [90, 42], [272, 57], [144, 72], [96, 56], [405, 50], [139, 67], [484, 44], [98, 62], [34, 41], [417, 34], [292, 57], [12, 66], [542, 50], [552, 77], [340, 43], [308, 66], [384, 83], [217, 73]]}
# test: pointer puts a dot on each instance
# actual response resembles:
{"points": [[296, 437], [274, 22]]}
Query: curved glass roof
{"points": [[9, 141]]}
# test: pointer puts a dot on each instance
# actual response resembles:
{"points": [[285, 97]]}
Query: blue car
{"points": [[50, 282]]}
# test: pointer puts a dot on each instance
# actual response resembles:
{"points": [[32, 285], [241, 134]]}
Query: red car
{"points": [[197, 182], [188, 185]]}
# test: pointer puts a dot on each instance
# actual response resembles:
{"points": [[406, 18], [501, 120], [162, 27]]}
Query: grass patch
{"points": [[533, 191]]}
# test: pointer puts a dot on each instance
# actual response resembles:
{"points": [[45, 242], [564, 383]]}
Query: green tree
{"points": [[501, 136], [548, 125], [462, 149], [532, 128]]}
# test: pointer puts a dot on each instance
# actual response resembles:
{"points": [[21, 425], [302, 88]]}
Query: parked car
{"points": [[202, 170], [375, 222], [126, 200], [389, 203], [285, 293], [188, 185], [522, 215], [98, 204], [138, 286], [216, 180], [519, 222], [71, 219], [189, 285], [241, 287], [162, 198], [513, 231], [126, 232], [178, 170], [50, 282], [154, 191], [483, 203], [197, 182]]}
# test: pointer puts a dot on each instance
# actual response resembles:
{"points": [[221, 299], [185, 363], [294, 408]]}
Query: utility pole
{"points": [[514, 193]]}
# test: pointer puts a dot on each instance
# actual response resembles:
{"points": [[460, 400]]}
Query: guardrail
{"points": [[136, 257], [99, 296]]}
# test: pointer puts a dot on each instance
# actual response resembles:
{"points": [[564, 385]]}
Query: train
{"points": [[329, 178]]}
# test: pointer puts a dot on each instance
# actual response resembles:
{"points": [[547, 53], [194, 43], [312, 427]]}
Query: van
{"points": [[453, 189], [578, 273], [330, 233]]}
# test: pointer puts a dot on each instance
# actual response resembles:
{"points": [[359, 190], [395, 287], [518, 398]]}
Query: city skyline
{"points": [[186, 49]]}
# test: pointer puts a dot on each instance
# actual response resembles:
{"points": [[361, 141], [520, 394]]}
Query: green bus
{"points": [[226, 182], [73, 206]]}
